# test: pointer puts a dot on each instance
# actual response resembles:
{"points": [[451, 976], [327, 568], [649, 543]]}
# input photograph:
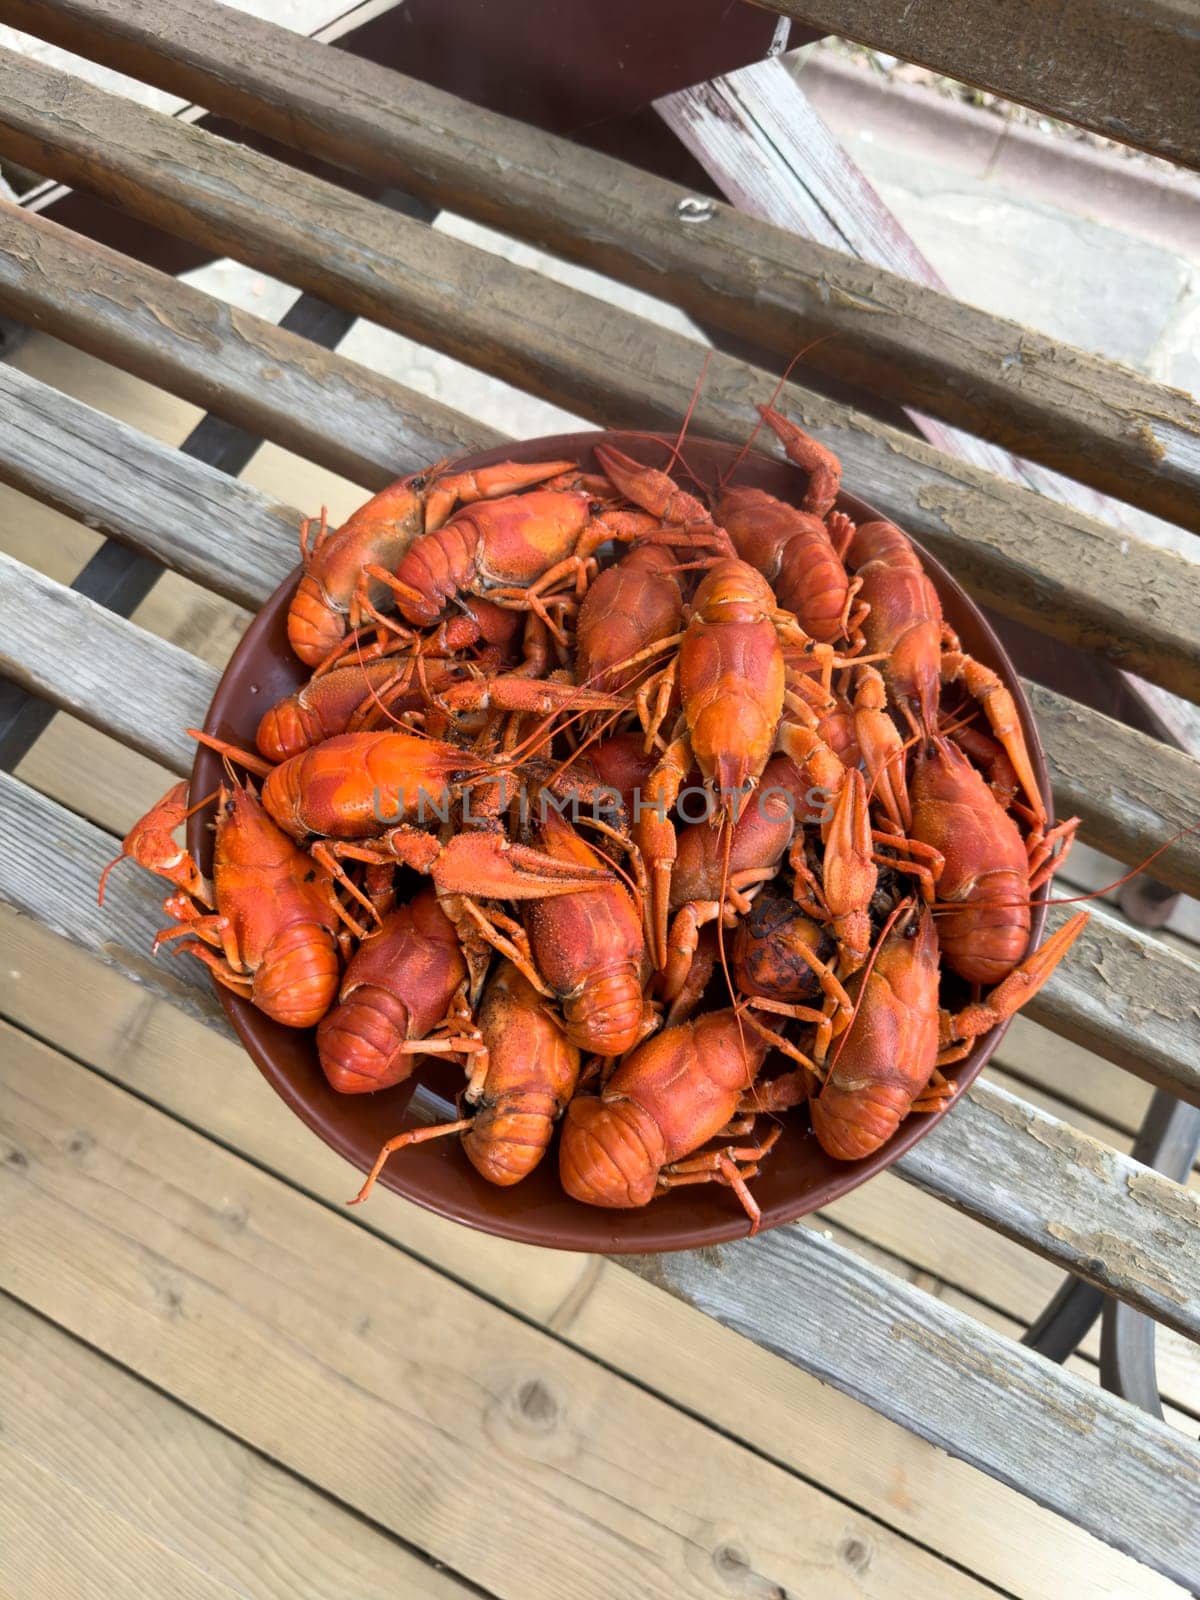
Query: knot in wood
{"points": [[856, 1553], [537, 1406]]}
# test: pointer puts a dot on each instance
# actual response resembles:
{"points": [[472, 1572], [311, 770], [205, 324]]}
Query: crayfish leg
{"points": [[983, 685], [401, 1140], [490, 924], [1022, 983], [1043, 863], [785, 1046], [235, 753], [937, 1094], [241, 983]]}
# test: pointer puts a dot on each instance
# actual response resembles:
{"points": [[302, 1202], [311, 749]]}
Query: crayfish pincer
{"points": [[268, 930], [680, 1089]]}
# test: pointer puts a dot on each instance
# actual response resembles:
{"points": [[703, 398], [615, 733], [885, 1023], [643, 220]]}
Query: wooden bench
{"points": [[1102, 1215]]}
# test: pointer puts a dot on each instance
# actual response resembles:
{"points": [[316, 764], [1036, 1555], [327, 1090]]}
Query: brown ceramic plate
{"points": [[798, 1177]]}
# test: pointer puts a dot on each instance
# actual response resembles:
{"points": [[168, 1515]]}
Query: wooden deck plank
{"points": [[1130, 601], [170, 1060], [1124, 68], [126, 1493], [199, 521], [271, 382], [1127, 1001], [1084, 1192], [85, 1551], [1076, 411], [376, 1379], [104, 669], [57, 891], [1131, 792]]}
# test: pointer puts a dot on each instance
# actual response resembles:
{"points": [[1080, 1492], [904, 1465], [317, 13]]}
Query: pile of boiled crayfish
{"points": [[688, 779]]}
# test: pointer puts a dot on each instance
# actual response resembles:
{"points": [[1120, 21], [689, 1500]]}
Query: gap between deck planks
{"points": [[475, 1437], [113, 1490], [1079, 413], [1119, 596], [153, 1049]]}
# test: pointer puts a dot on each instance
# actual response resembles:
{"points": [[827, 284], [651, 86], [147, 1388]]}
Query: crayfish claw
{"points": [[489, 866], [151, 844]]}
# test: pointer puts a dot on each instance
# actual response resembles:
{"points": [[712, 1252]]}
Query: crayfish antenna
{"points": [[223, 747], [775, 393]]}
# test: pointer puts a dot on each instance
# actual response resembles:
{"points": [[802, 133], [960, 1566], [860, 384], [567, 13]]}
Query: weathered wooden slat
{"points": [[120, 934], [1073, 410], [1071, 1189], [77, 1425], [1045, 564], [1131, 792], [1127, 1477], [202, 523], [382, 1382], [1124, 68], [273, 383], [50, 866], [105, 670], [1128, 1002]]}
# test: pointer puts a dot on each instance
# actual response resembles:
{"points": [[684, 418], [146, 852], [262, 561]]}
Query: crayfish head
{"points": [[731, 761]]}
